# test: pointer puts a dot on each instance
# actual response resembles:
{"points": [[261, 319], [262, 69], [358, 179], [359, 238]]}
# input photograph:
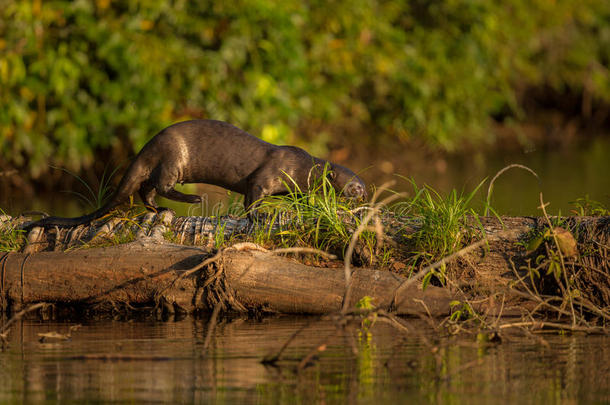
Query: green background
{"points": [[83, 78]]}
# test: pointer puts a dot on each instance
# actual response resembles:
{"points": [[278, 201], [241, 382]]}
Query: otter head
{"points": [[347, 182]]}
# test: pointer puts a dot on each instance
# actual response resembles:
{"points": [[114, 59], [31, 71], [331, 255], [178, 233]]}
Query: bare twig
{"points": [[552, 325], [19, 315], [3, 260], [272, 359], [303, 250], [320, 347], [444, 261], [373, 211], [491, 183]]}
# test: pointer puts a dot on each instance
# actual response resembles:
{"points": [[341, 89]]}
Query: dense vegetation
{"points": [[77, 77]]}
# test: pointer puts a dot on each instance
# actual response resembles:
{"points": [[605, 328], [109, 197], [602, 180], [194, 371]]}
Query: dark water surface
{"points": [[156, 361], [566, 174]]}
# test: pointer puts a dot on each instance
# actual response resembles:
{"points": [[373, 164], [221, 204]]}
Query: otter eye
{"points": [[331, 175]]}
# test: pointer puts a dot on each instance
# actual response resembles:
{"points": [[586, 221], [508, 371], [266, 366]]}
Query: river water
{"points": [[153, 361], [565, 174], [143, 361]]}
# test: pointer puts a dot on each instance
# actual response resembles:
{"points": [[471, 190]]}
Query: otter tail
{"points": [[129, 184]]}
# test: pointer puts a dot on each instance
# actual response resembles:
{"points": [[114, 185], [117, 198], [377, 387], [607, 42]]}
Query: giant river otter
{"points": [[218, 153]]}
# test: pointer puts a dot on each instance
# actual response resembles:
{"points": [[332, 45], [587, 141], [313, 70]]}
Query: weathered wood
{"points": [[141, 273], [280, 284], [132, 273]]}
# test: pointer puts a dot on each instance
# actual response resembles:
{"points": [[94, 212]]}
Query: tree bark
{"points": [[143, 273]]}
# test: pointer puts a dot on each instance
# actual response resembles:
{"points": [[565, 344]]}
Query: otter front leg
{"points": [[259, 186], [147, 194]]}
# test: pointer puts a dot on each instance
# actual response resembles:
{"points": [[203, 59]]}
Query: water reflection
{"points": [[152, 361]]}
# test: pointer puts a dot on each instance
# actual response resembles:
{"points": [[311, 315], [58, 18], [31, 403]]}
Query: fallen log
{"points": [[148, 272], [496, 275]]}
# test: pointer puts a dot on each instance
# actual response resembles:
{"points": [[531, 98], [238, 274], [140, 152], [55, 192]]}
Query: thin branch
{"points": [[20, 315], [352, 245], [444, 261], [552, 325]]}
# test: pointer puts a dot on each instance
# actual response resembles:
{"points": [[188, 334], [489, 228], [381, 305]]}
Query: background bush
{"points": [[77, 77]]}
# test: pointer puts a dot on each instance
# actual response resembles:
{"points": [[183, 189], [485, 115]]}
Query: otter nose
{"points": [[356, 190], [361, 192]]}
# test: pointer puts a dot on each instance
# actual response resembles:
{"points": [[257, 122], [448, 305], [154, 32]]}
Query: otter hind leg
{"points": [[167, 179], [176, 195]]}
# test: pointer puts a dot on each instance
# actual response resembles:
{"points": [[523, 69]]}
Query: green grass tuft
{"points": [[443, 224], [98, 196], [319, 217], [11, 238], [587, 207]]}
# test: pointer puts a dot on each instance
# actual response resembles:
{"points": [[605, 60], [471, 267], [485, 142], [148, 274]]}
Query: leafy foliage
{"points": [[80, 76]]}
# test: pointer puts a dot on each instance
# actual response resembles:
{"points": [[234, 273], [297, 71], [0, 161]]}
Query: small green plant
{"points": [[385, 256], [443, 224], [461, 311], [550, 245], [95, 197], [219, 235], [124, 235], [588, 207], [11, 238], [439, 274], [365, 303], [170, 236]]}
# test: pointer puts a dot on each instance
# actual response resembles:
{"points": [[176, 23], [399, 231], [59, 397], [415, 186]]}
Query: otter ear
{"points": [[331, 175]]}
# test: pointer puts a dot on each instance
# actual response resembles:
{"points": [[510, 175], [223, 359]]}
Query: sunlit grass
{"points": [[11, 238], [444, 221], [319, 217]]}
